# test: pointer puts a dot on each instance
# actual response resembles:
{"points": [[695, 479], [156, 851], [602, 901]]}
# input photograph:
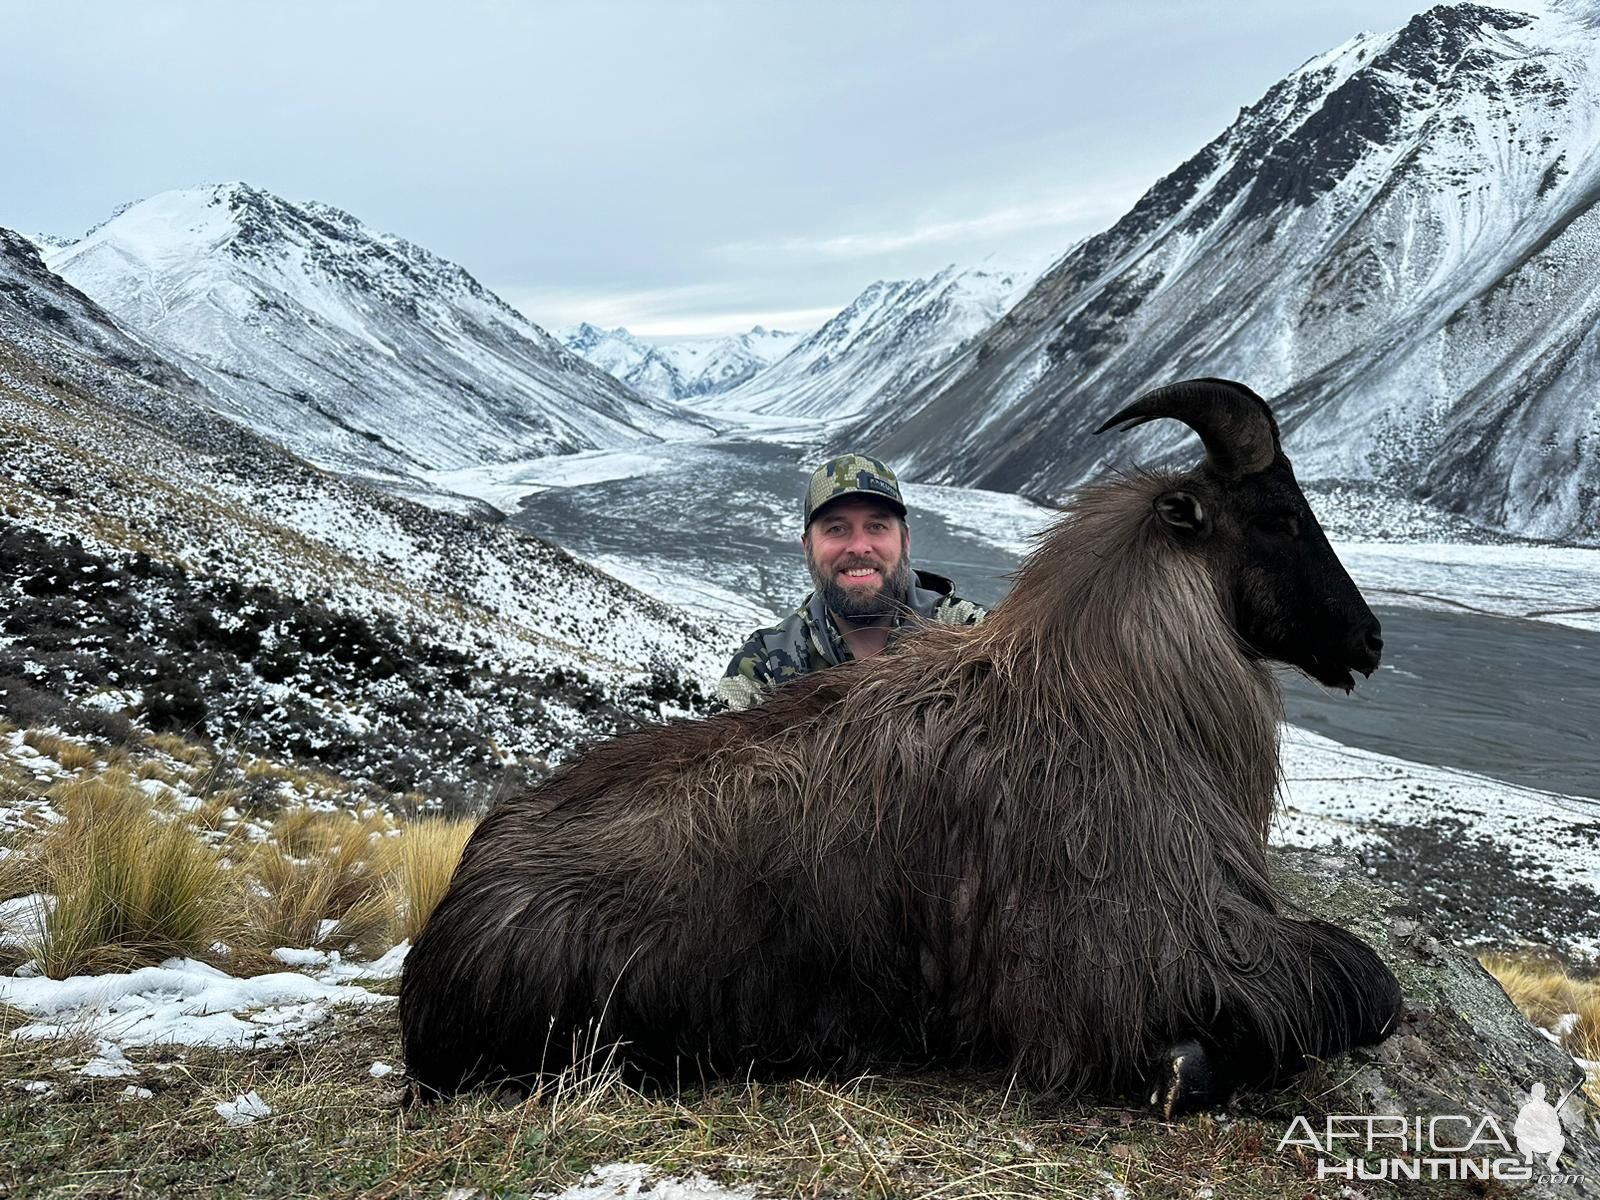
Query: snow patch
{"points": [[244, 1110], [108, 1063], [624, 1181], [181, 1002]]}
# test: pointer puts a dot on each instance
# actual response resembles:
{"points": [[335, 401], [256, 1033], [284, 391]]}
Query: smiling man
{"points": [[858, 549]]}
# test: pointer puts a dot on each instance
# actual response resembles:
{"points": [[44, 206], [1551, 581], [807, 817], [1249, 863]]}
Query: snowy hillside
{"points": [[1397, 243], [163, 565], [891, 336], [354, 348], [684, 369]]}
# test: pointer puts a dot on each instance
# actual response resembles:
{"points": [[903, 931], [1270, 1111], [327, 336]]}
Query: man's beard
{"points": [[892, 598]]}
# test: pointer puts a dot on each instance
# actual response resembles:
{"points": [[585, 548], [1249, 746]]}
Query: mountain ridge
{"points": [[359, 349], [1391, 245], [892, 335], [686, 369]]}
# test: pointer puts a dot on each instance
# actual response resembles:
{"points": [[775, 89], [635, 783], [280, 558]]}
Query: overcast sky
{"points": [[673, 167]]}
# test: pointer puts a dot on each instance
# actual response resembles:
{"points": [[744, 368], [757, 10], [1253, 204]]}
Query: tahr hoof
{"points": [[1185, 1082]]}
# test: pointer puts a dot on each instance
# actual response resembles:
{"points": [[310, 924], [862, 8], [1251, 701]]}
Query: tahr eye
{"points": [[1283, 524]]}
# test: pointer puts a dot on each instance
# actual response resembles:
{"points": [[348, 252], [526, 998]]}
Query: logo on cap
{"points": [[852, 475]]}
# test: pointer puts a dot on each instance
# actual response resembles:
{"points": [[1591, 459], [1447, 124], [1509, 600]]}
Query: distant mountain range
{"points": [[892, 336], [356, 349], [1397, 243], [683, 369]]}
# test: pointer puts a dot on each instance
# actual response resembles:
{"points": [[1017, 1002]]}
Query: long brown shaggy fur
{"points": [[1038, 842]]}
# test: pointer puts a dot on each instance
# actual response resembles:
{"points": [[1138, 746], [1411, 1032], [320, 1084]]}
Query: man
{"points": [[858, 550]]}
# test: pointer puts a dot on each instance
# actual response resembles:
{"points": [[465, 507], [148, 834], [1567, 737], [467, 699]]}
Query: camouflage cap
{"points": [[852, 475]]}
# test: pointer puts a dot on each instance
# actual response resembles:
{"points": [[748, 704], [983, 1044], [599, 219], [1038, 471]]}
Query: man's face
{"points": [[859, 553]]}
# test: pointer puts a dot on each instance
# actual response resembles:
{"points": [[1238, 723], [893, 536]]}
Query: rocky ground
{"points": [[97, 641]]}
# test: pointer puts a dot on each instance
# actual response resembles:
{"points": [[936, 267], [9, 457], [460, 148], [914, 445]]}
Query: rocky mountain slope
{"points": [[890, 337], [1397, 243], [683, 369], [162, 565], [356, 349]]}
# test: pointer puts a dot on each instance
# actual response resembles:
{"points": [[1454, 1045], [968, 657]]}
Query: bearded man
{"points": [[858, 549]]}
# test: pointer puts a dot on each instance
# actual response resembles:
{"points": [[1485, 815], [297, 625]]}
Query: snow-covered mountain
{"points": [[47, 242], [890, 337], [161, 563], [1398, 243], [357, 349], [684, 369]]}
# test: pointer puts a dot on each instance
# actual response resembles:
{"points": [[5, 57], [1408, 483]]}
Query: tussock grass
{"points": [[15, 790], [131, 888], [304, 781], [181, 748], [72, 755], [1552, 999], [105, 792], [213, 814], [299, 830], [262, 768], [326, 868], [21, 874], [422, 860], [21, 865], [154, 768]]}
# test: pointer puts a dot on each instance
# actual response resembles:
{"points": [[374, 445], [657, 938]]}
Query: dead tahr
{"points": [[1039, 843]]}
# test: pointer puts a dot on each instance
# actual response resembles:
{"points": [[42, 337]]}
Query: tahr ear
{"points": [[1183, 512]]}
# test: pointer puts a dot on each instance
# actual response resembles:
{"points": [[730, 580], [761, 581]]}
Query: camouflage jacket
{"points": [[808, 640]]}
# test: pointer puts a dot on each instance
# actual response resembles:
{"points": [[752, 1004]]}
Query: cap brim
{"points": [[888, 502]]}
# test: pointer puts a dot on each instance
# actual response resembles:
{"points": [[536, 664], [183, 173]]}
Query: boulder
{"points": [[1462, 1047]]}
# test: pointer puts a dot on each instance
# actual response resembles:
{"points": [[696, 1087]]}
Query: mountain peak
{"points": [[1395, 241], [357, 348]]}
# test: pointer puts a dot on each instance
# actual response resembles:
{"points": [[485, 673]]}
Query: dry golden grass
{"points": [[421, 861], [72, 755], [21, 864], [16, 789], [327, 866], [154, 768], [337, 1131], [1553, 1000], [262, 768], [181, 748], [130, 887], [21, 874], [306, 781], [299, 830], [96, 792], [213, 812]]}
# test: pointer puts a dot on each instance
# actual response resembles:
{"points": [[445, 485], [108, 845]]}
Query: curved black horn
{"points": [[1237, 427]]}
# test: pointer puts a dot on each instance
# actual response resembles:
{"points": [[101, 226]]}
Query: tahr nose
{"points": [[1368, 644]]}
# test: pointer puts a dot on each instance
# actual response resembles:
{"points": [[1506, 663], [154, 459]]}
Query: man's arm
{"points": [[768, 658], [746, 682], [953, 610]]}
